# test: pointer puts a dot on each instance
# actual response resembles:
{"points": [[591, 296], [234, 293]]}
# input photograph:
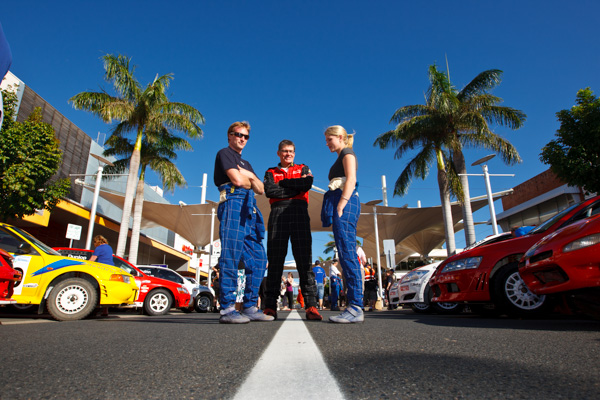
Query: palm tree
{"points": [[140, 111], [158, 153], [447, 121], [330, 246], [470, 121]]}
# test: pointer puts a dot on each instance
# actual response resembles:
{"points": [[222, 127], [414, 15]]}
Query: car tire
{"points": [[513, 297], [158, 302], [72, 299], [421, 308], [447, 308], [24, 308], [202, 303]]}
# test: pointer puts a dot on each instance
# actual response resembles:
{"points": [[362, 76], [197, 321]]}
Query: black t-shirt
{"points": [[337, 169], [228, 158]]}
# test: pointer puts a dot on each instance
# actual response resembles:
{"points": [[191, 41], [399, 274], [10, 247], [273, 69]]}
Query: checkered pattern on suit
{"points": [[241, 241], [290, 222], [344, 233]]}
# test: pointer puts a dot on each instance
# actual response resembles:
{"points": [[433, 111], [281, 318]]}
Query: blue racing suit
{"points": [[344, 233], [241, 232]]}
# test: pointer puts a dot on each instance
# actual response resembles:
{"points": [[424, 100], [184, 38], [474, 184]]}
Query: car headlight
{"points": [[583, 242], [181, 289], [413, 276], [465, 263], [120, 278]]}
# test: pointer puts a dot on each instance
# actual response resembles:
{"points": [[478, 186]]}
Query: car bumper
{"points": [[118, 293], [570, 271], [461, 286]]}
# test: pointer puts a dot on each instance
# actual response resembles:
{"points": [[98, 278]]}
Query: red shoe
{"points": [[312, 314], [271, 312]]}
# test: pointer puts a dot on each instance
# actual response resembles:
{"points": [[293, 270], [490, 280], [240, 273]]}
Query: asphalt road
{"points": [[393, 355]]}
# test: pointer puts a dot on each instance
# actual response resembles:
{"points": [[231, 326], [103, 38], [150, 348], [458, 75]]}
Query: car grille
{"points": [[542, 256]]}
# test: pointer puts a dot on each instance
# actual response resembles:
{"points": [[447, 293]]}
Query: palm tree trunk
{"points": [[137, 220], [134, 166], [469, 227], [446, 208]]}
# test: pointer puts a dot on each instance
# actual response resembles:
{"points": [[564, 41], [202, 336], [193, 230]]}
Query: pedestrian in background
{"points": [[335, 286], [289, 290], [341, 209], [320, 279], [103, 253]]}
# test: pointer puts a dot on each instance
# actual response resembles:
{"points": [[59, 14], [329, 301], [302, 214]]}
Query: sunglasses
{"points": [[240, 135]]}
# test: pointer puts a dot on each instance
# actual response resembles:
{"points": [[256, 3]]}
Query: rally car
{"points": [[487, 277], [156, 296], [413, 289], [202, 296], [68, 289], [567, 262], [9, 277]]}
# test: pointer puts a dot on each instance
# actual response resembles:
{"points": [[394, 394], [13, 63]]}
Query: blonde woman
{"points": [[103, 253], [341, 208]]}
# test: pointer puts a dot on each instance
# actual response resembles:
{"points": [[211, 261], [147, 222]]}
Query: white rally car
{"points": [[413, 289]]}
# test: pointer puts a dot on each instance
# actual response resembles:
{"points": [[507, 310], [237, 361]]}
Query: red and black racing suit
{"points": [[287, 191]]}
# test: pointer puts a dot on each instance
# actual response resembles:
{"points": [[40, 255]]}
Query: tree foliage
{"points": [[137, 111], [29, 157], [574, 156], [449, 121]]}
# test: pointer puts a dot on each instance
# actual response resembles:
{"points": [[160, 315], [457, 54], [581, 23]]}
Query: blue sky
{"points": [[293, 68]]}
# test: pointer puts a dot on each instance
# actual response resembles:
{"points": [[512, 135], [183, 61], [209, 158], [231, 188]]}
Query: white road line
{"points": [[292, 349]]}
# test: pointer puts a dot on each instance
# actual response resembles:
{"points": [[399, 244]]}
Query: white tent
{"points": [[414, 230]]}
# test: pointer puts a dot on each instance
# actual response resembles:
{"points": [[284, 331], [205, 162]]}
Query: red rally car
{"points": [[156, 296], [9, 277], [489, 276], [568, 262]]}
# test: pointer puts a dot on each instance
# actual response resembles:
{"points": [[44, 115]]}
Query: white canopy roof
{"points": [[414, 230]]}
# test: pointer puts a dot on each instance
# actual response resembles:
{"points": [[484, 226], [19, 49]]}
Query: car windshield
{"points": [[544, 226], [126, 267], [42, 246]]}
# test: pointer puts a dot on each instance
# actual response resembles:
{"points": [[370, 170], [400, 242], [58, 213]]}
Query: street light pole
{"points": [[374, 204], [483, 161], [90, 232]]}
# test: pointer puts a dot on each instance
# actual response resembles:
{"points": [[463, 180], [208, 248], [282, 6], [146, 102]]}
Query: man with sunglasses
{"points": [[287, 186], [241, 228]]}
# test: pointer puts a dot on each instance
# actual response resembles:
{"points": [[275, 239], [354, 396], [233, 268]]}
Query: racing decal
{"points": [[21, 264], [56, 265]]}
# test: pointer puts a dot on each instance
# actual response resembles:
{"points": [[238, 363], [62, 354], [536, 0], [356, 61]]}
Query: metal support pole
{"points": [[88, 242], [212, 239], [384, 190], [378, 252], [203, 198], [488, 188]]}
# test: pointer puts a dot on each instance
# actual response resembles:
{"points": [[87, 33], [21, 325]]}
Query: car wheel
{"points": [[24, 308], [513, 297], [158, 302], [447, 308], [421, 308], [202, 303], [72, 299]]}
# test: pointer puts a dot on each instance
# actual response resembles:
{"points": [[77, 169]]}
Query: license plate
{"points": [[404, 288]]}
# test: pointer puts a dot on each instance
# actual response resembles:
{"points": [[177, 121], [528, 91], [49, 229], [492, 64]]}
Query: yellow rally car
{"points": [[70, 289]]}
